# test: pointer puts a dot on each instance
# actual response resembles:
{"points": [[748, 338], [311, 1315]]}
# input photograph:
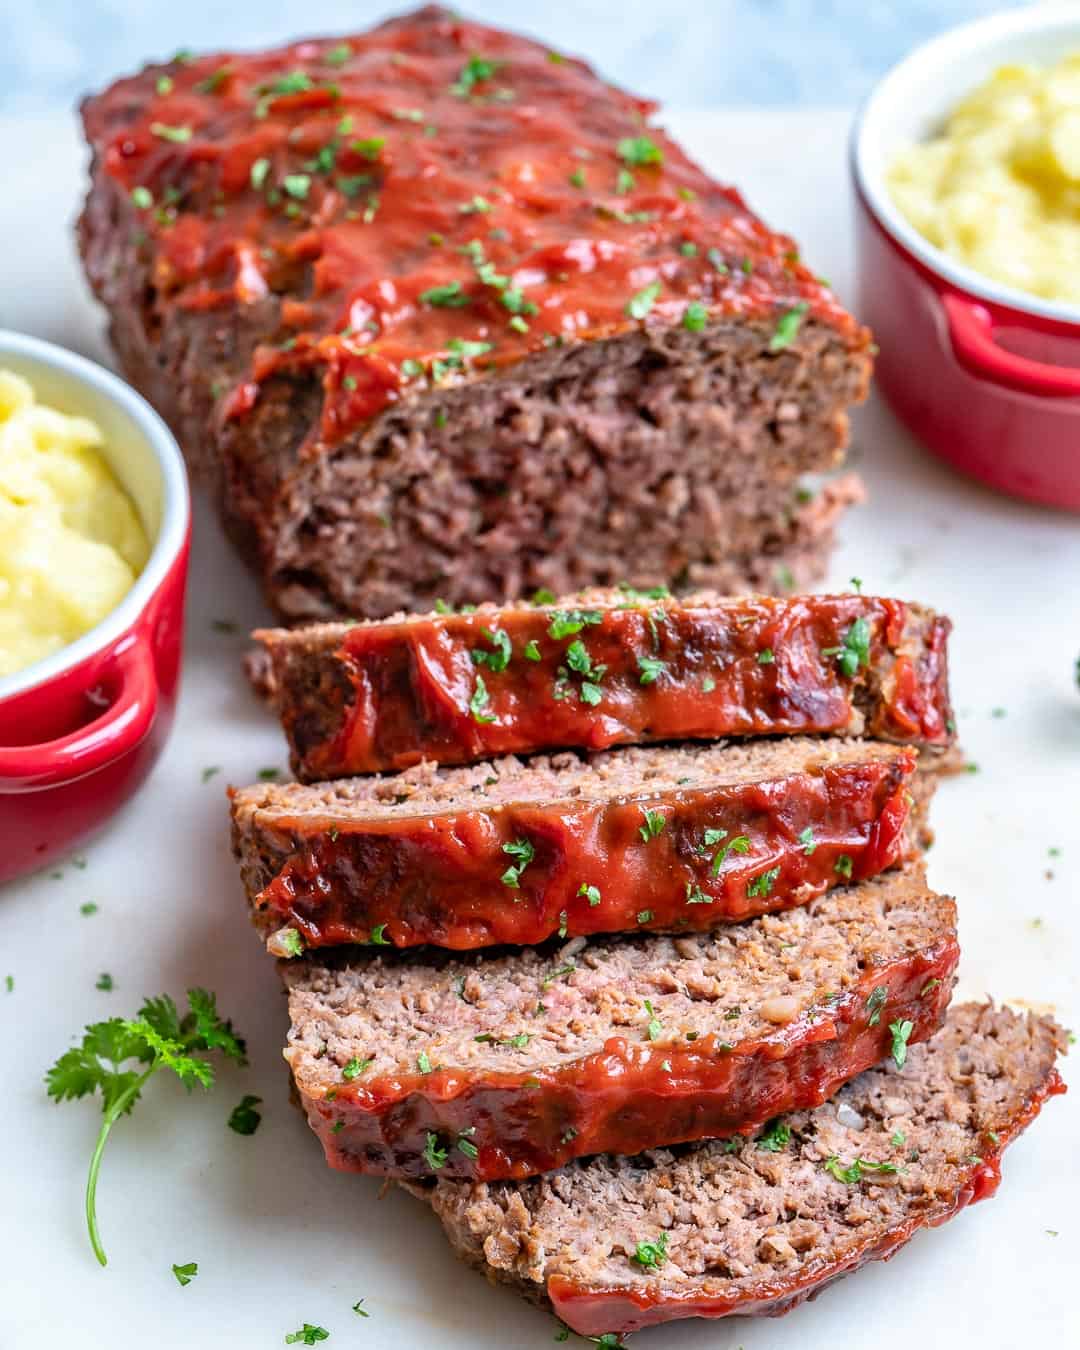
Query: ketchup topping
{"points": [[425, 200]]}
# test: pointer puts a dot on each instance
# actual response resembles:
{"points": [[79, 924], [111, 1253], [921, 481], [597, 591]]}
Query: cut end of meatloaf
{"points": [[379, 467], [368, 696], [758, 1226]]}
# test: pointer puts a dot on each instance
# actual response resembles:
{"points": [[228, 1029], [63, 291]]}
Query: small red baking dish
{"points": [[987, 377], [80, 730]]}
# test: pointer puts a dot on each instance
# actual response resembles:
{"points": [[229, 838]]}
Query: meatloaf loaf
{"points": [[507, 1064], [436, 312], [664, 839], [757, 1226], [604, 667]]}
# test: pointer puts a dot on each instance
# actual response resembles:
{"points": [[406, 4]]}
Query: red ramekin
{"points": [[80, 730], [986, 376]]}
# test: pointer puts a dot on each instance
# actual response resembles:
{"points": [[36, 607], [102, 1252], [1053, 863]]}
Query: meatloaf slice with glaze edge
{"points": [[507, 1064], [602, 668], [757, 1227], [663, 839], [435, 315]]}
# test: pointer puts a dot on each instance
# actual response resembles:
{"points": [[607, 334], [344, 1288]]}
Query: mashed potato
{"points": [[999, 188], [71, 544]]}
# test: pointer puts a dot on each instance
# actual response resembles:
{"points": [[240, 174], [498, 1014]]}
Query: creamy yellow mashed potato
{"points": [[999, 188], [71, 544]]}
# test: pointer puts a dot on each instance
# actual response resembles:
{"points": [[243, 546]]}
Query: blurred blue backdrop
{"points": [[686, 52]]}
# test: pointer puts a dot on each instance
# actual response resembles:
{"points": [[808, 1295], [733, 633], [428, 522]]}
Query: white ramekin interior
{"points": [[143, 454], [913, 100]]}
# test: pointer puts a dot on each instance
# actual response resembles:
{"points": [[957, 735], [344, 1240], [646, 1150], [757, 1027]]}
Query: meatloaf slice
{"points": [[663, 839], [602, 668], [506, 1064], [757, 1226], [434, 314]]}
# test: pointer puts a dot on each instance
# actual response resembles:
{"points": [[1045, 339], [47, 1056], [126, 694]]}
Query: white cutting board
{"points": [[280, 1240]]}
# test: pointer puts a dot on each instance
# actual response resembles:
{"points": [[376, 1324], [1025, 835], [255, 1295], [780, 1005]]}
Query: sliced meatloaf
{"points": [[602, 668], [662, 838], [507, 1064], [437, 313], [756, 1226]]}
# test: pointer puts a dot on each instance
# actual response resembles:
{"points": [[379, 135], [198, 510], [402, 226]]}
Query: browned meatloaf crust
{"points": [[506, 1064], [601, 668], [661, 839], [433, 314], [707, 1230]]}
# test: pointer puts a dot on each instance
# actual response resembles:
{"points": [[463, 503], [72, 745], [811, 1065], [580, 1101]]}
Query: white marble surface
{"points": [[280, 1239]]}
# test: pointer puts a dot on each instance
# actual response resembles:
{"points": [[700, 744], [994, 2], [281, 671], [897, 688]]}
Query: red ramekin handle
{"points": [[119, 729], [971, 327]]}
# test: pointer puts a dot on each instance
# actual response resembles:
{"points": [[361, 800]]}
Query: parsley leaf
{"points": [[479, 701], [854, 1174], [434, 1156], [787, 327], [763, 884], [185, 1274], [565, 623], [654, 1027], [806, 838], [854, 651], [475, 69], [307, 1335], [498, 659], [843, 865], [523, 851], [244, 1119], [901, 1032], [776, 1136], [591, 893], [650, 1255], [654, 824], [639, 305], [448, 296], [118, 1057], [651, 668], [355, 1067], [695, 317], [638, 150], [875, 1003], [740, 844]]}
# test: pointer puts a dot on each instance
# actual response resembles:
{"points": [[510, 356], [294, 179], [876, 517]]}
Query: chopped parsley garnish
{"points": [[475, 69], [307, 1335], [542, 596], [434, 1156], [776, 1136], [875, 1003], [164, 132], [358, 1308], [532, 650], [465, 1144], [185, 1274], [355, 1067], [448, 296], [695, 317], [763, 884], [378, 936], [650, 1255], [696, 896], [495, 660], [854, 651], [843, 865], [853, 1174], [644, 916], [89, 907], [577, 178], [740, 844], [565, 623], [766, 657], [118, 1057], [267, 775], [639, 305], [654, 824], [214, 82], [105, 982], [929, 987], [708, 684], [639, 150], [475, 206], [624, 183], [787, 327], [337, 56], [164, 84], [651, 668], [295, 82], [142, 197], [289, 942], [243, 1118], [901, 1032], [259, 171], [523, 851], [806, 838], [479, 701], [899, 1139], [423, 1062], [591, 893], [370, 147], [297, 185]]}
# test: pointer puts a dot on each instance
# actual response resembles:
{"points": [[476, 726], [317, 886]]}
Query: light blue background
{"points": [[686, 52]]}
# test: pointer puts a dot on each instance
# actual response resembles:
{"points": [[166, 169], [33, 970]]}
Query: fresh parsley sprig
{"points": [[118, 1057]]}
